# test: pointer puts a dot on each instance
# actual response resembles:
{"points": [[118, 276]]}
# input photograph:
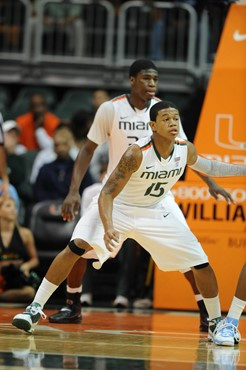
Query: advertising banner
{"points": [[220, 135]]}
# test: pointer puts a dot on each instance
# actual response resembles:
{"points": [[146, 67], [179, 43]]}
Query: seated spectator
{"points": [[19, 162], [4, 186], [15, 162], [11, 132], [78, 129], [48, 155], [13, 194], [99, 97], [77, 132], [54, 178], [80, 124], [18, 256], [37, 126]]}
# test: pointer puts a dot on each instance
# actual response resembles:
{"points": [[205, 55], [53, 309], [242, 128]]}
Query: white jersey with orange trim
{"points": [[141, 213], [121, 124], [155, 176]]}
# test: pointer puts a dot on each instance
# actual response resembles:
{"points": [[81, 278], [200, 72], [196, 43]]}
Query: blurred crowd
{"points": [[40, 151]]}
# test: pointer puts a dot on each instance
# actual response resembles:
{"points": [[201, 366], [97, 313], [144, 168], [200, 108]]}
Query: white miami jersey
{"points": [[121, 124], [155, 176]]}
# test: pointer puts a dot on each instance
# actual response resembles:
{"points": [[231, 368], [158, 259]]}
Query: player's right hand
{"points": [[70, 207], [111, 239]]}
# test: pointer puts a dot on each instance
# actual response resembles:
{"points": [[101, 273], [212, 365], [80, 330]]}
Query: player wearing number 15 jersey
{"points": [[121, 121]]}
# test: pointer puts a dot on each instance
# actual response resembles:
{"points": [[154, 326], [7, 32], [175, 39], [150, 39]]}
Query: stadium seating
{"points": [[74, 100]]}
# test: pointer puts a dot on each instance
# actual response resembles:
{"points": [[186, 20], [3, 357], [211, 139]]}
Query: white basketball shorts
{"points": [[157, 229]]}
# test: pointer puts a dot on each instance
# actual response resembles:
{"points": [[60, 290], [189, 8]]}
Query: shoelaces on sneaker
{"points": [[34, 310], [227, 329]]}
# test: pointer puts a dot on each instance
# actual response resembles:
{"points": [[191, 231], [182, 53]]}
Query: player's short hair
{"points": [[140, 65], [159, 106]]}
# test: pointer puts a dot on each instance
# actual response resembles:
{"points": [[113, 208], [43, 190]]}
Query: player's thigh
{"points": [[171, 244]]}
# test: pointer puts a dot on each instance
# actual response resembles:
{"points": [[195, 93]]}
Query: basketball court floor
{"points": [[122, 340]]}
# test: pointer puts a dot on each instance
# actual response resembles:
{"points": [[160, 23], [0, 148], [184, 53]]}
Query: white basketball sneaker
{"points": [[226, 334], [28, 319]]}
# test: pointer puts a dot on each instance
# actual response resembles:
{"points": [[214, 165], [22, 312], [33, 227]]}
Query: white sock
{"points": [[213, 307], [45, 290], [74, 290], [198, 297], [236, 309]]}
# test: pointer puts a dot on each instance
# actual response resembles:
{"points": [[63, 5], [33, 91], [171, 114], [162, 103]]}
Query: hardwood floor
{"points": [[110, 339]]}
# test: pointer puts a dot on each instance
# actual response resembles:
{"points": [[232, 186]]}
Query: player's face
{"points": [[167, 123], [144, 85]]}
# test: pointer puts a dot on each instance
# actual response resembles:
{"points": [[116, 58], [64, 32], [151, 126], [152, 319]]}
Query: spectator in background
{"points": [[18, 256], [11, 132], [80, 124], [4, 185], [37, 126], [77, 130], [99, 97], [19, 161], [54, 178], [15, 162]]}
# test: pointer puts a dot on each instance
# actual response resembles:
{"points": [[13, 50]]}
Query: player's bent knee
{"points": [[202, 266], [76, 250]]}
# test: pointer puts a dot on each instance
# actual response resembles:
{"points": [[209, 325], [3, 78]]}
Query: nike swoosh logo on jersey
{"points": [[123, 117], [147, 167], [166, 215], [239, 36]]}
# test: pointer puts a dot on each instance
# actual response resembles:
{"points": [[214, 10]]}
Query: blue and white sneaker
{"points": [[28, 320], [226, 334]]}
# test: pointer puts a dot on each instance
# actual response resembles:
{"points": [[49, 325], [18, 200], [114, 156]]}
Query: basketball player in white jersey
{"points": [[121, 122], [132, 205]]}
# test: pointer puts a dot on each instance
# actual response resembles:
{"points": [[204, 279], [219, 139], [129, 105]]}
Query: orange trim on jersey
{"points": [[119, 98], [201, 155], [146, 147], [180, 142]]}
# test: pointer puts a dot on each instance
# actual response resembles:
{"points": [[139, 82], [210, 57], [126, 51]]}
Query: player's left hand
{"points": [[215, 190]]}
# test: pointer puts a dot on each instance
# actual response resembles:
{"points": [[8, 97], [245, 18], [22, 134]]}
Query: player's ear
{"points": [[152, 125], [132, 80]]}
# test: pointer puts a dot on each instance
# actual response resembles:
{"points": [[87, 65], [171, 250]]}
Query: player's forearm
{"points": [[81, 165], [218, 169], [105, 205], [208, 180]]}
